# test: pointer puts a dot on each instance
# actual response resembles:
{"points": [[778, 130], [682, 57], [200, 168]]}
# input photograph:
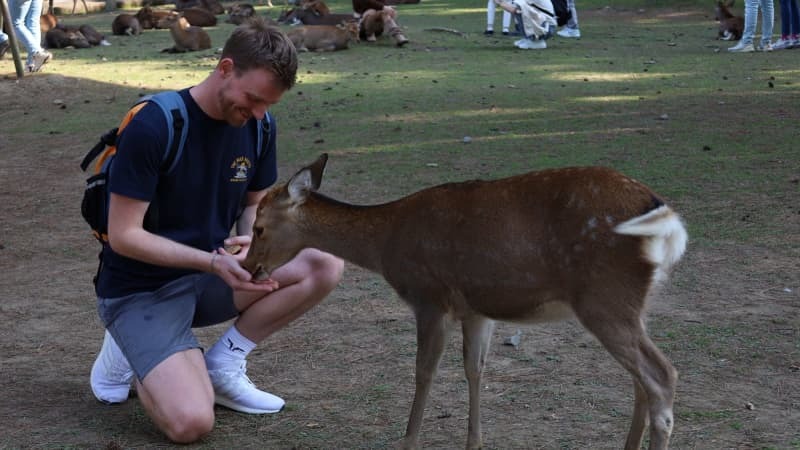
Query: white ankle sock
{"points": [[232, 347]]}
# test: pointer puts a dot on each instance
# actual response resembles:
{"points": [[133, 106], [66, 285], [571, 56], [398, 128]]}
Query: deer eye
{"points": [[258, 231]]}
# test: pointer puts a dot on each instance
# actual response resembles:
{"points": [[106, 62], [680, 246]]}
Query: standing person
{"points": [[536, 21], [790, 25], [490, 12], [4, 42], [154, 286], [751, 7], [25, 19], [571, 30]]}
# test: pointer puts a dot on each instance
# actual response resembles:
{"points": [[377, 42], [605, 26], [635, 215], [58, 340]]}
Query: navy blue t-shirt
{"points": [[198, 202]]}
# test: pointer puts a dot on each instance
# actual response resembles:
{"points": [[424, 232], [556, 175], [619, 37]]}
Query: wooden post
{"points": [[12, 38]]}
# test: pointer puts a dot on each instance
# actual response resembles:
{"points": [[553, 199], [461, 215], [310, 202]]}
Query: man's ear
{"points": [[225, 67]]}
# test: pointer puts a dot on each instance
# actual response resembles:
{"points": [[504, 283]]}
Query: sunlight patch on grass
{"points": [[609, 98], [475, 114], [618, 77]]}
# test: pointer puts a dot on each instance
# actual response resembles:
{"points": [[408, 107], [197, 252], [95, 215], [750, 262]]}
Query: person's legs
{"points": [[786, 40], [795, 22], [33, 22], [178, 397], [490, 10], [571, 29], [4, 42], [506, 21], [150, 334], [25, 19], [19, 12], [304, 282], [785, 14], [750, 20], [573, 19], [767, 24]]}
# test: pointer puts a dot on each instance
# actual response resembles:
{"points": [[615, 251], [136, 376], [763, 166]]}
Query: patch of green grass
{"points": [[698, 416]]}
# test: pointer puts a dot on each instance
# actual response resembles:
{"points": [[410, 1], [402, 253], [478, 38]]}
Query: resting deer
{"points": [[188, 38], [323, 38], [730, 26], [577, 242]]}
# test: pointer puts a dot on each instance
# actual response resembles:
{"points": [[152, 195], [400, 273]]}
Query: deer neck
{"points": [[356, 233]]}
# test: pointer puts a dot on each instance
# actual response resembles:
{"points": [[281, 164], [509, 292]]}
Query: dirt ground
{"points": [[728, 319]]}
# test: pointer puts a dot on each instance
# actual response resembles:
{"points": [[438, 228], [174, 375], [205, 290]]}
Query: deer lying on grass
{"points": [[297, 16], [188, 38], [730, 26], [150, 18], [576, 242], [323, 38], [126, 25], [240, 13]]}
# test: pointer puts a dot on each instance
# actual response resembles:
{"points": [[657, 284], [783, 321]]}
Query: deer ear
{"points": [[308, 179]]}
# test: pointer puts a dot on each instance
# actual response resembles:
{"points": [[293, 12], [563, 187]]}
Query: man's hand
{"points": [[228, 267], [239, 246]]}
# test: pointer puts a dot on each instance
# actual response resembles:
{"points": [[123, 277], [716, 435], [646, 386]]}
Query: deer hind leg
{"points": [[477, 331], [654, 377], [431, 336]]}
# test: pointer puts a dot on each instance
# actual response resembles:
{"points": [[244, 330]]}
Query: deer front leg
{"points": [[431, 336], [477, 331]]}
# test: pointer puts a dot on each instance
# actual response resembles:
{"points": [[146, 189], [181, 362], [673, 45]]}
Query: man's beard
{"points": [[232, 114]]}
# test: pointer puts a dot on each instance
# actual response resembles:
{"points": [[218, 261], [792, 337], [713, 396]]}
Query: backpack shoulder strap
{"points": [[175, 112], [265, 131]]}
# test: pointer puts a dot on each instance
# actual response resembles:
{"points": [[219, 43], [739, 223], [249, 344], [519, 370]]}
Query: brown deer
{"points": [[150, 18], [296, 16], [583, 242], [240, 13], [730, 26], [323, 38], [199, 17], [126, 24], [187, 38]]}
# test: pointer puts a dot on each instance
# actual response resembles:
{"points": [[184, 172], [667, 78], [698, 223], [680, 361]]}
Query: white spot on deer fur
{"points": [[664, 421]]}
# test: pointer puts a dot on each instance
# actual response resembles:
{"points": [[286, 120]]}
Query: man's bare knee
{"points": [[328, 270], [189, 426]]}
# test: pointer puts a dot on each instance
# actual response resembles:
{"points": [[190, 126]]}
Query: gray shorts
{"points": [[151, 326]]}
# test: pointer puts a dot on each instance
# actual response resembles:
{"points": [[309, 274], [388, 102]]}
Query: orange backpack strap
{"points": [[112, 148]]}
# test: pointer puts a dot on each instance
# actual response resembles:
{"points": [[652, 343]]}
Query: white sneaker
{"points": [[528, 44], [782, 44], [234, 390], [569, 32], [519, 41], [741, 47], [111, 375]]}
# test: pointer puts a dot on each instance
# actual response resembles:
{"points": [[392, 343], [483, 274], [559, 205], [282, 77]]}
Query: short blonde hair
{"points": [[255, 44]]}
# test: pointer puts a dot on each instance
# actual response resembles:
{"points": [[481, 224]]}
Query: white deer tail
{"points": [[665, 237]]}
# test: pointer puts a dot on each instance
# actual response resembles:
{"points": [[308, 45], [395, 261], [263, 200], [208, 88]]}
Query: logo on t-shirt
{"points": [[240, 167]]}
